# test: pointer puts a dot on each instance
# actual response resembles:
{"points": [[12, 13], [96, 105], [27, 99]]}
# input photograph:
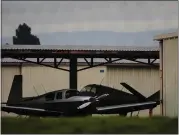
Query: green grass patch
{"points": [[90, 125]]}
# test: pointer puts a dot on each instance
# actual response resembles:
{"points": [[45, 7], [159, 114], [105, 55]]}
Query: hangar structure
{"points": [[169, 72], [113, 64], [109, 53]]}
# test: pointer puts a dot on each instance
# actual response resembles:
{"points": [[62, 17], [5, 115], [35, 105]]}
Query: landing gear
{"points": [[137, 114], [124, 114], [150, 112], [131, 114]]}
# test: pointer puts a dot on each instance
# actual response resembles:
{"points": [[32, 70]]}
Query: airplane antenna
{"points": [[36, 91], [43, 88], [101, 80], [122, 88], [81, 87]]}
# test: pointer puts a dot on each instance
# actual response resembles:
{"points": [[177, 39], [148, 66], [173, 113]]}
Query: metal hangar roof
{"points": [[79, 48], [85, 51]]}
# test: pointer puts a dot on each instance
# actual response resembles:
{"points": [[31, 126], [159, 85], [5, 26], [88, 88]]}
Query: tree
{"points": [[24, 36]]}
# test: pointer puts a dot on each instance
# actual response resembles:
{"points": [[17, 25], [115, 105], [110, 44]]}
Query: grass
{"points": [[89, 125]]}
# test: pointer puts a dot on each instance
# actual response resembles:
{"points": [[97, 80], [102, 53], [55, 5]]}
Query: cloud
{"points": [[61, 16]]}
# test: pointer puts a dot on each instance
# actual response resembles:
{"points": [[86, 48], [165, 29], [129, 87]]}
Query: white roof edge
{"points": [[166, 35], [80, 47]]}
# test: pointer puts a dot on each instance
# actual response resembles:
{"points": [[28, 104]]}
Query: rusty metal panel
{"points": [[145, 79], [170, 77]]}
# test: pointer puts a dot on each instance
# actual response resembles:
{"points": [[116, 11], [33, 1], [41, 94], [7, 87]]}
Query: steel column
{"points": [[73, 73], [161, 77]]}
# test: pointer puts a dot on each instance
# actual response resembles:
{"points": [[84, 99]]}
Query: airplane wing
{"points": [[29, 111], [126, 107]]}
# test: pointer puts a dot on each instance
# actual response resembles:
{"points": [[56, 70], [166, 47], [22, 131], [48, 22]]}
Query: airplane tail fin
{"points": [[15, 95], [133, 91], [154, 97]]}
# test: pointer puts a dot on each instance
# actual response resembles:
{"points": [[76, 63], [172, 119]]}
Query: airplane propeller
{"points": [[92, 100]]}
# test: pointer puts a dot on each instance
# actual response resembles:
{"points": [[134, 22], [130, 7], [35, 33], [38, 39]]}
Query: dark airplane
{"points": [[92, 99]]}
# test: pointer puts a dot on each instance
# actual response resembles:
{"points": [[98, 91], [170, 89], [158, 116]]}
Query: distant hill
{"points": [[98, 38]]}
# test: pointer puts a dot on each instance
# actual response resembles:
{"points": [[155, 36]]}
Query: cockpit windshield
{"points": [[89, 89], [71, 93]]}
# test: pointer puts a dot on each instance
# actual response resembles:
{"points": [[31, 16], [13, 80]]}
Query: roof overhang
{"points": [[166, 36], [67, 51]]}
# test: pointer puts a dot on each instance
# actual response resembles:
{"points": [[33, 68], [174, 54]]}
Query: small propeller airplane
{"points": [[92, 99]]}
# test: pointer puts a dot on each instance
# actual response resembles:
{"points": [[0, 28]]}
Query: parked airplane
{"points": [[92, 99], [119, 97]]}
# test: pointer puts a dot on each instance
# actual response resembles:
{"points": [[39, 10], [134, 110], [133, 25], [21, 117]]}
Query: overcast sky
{"points": [[67, 16]]}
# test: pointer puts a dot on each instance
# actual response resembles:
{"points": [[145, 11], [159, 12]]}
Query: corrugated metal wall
{"points": [[94, 75], [46, 78], [170, 77], [54, 79], [40, 77], [144, 79], [7, 75]]}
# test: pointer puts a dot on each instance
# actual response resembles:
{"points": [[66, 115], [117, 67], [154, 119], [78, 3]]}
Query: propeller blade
{"points": [[102, 96], [84, 105], [90, 102]]}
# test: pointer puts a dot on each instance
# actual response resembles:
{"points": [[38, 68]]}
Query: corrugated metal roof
{"points": [[166, 36], [80, 48], [50, 60]]}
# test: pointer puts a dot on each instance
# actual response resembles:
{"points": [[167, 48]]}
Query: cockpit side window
{"points": [[93, 90], [89, 89], [59, 95], [71, 93], [50, 97]]}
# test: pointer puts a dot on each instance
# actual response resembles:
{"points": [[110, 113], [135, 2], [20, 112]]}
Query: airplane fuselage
{"points": [[69, 105]]}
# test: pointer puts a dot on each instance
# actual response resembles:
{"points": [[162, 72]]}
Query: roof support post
{"points": [[161, 77], [73, 73]]}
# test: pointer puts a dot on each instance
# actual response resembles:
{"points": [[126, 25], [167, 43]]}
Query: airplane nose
{"points": [[92, 99]]}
